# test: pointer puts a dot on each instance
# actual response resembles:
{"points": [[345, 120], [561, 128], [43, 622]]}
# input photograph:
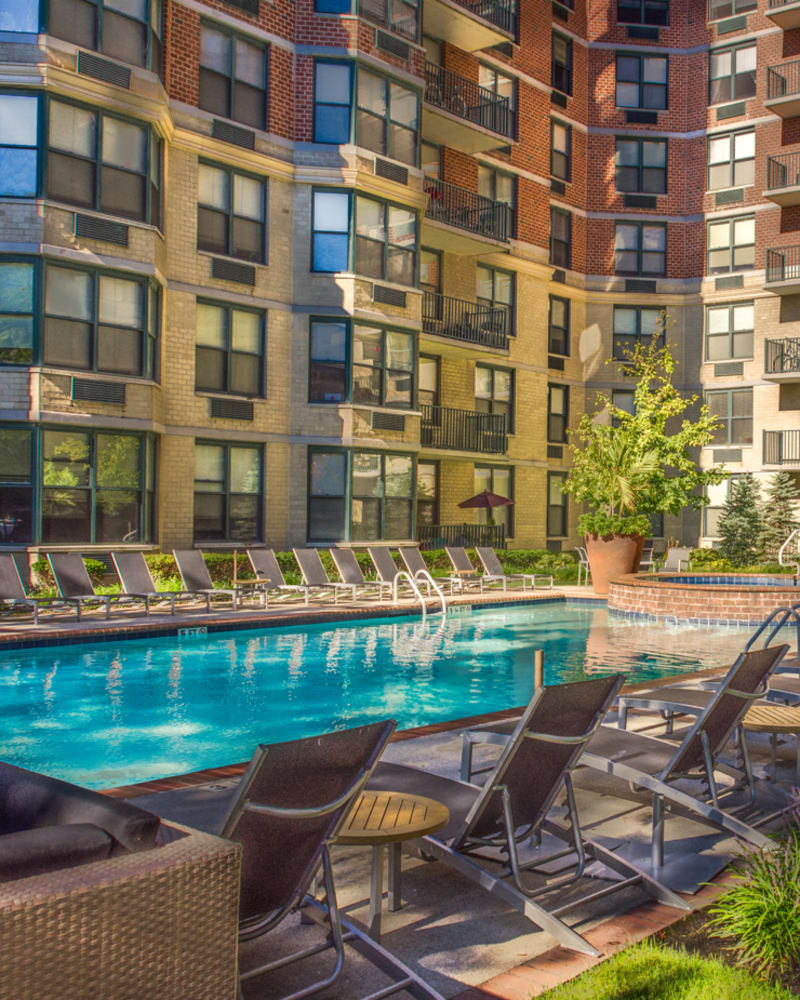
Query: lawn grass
{"points": [[649, 972]]}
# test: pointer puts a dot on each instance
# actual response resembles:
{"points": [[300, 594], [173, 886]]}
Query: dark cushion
{"points": [[51, 848], [29, 800]]}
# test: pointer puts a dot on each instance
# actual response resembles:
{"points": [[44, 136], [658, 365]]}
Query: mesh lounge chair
{"points": [[676, 560], [494, 570], [12, 590], [350, 572], [196, 579], [285, 812], [74, 583], [513, 804], [315, 577], [135, 578], [655, 764], [466, 572], [384, 564], [269, 574], [418, 569]]}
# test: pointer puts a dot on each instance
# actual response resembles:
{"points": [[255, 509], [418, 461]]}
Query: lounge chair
{"points": [[315, 577], [655, 764], [75, 585], [12, 590], [135, 578], [466, 572], [384, 564], [350, 572], [418, 569], [676, 559], [494, 570], [197, 580], [512, 807], [285, 812], [269, 576]]}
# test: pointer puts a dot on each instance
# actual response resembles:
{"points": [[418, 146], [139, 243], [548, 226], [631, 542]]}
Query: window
{"points": [[430, 158], [386, 241], [560, 237], [17, 296], [16, 483], [623, 399], [428, 394], [19, 116], [19, 15], [734, 409], [97, 486], [557, 413], [556, 505], [332, 101], [718, 9], [387, 120], [636, 326], [495, 289], [327, 373], [383, 367], [399, 16], [100, 162], [382, 496], [98, 321], [430, 270], [331, 235], [128, 30], [731, 160], [229, 353], [500, 481], [558, 326], [641, 81], [427, 494], [228, 492], [327, 495], [641, 165], [494, 393], [561, 68], [640, 248], [501, 189], [731, 245], [643, 12], [498, 83], [231, 213], [731, 74], [560, 150], [717, 495], [332, 6], [729, 331], [233, 76]]}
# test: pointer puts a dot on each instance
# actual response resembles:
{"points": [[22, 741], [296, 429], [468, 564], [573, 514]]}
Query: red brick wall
{"points": [[648, 596]]}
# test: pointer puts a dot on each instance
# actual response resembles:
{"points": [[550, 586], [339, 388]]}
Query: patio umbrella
{"points": [[486, 500]]}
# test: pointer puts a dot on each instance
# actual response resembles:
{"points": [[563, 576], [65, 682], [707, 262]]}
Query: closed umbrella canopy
{"points": [[486, 500]]}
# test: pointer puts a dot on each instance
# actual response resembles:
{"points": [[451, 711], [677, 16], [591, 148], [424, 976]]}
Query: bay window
{"points": [[19, 120], [128, 30], [387, 119]]}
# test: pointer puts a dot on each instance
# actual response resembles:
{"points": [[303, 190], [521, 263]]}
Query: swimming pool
{"points": [[121, 711]]}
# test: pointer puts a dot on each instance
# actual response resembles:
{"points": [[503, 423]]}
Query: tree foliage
{"points": [[741, 524], [780, 513]]}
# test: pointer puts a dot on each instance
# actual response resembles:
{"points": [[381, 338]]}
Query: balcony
{"points": [[463, 430], [783, 89], [470, 24], [785, 14], [782, 359], [461, 221], [783, 179], [465, 321], [783, 271], [464, 115], [436, 536], [781, 448]]}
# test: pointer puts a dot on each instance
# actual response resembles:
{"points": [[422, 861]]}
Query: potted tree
{"points": [[631, 465]]}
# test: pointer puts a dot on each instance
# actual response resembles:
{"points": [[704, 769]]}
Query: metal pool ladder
{"points": [[412, 582], [782, 550]]}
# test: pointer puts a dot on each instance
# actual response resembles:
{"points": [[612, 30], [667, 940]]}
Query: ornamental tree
{"points": [[780, 513], [740, 523]]}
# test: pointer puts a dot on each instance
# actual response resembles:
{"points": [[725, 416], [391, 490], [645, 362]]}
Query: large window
{"points": [[327, 495], [494, 393], [734, 409], [643, 12], [718, 9], [558, 326], [496, 480], [636, 326], [561, 68], [128, 30], [732, 73], [228, 492], [387, 120], [331, 231], [17, 312], [560, 150], [97, 486], [641, 81], [333, 98], [427, 494], [729, 331], [229, 353], [731, 160], [731, 244], [641, 165], [557, 413], [640, 248], [231, 213], [560, 237], [556, 505], [16, 484], [233, 76], [327, 368], [101, 162], [19, 118], [495, 290]]}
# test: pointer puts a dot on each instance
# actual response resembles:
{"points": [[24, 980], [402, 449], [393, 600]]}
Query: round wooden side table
{"points": [[777, 720]]}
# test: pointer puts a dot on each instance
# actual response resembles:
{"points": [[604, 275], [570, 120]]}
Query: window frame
{"points": [[510, 209], [564, 213], [564, 507], [554, 436], [733, 49], [550, 325], [643, 6], [356, 109], [492, 468], [637, 336], [640, 251], [229, 308], [315, 102], [640, 166], [641, 83], [565, 68], [567, 175], [737, 7], [728, 421], [40, 145], [9, 483], [732, 246], [230, 213], [226, 492], [491, 399], [730, 356], [388, 23], [234, 36], [434, 504], [732, 160], [35, 314], [509, 309], [154, 54]]}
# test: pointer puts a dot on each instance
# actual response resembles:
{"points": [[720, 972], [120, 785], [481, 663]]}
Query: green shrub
{"points": [[710, 559]]}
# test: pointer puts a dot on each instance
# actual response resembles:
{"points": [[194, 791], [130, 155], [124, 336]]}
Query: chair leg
{"points": [[657, 844]]}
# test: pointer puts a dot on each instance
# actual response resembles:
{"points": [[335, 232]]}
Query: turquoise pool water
{"points": [[111, 713]]}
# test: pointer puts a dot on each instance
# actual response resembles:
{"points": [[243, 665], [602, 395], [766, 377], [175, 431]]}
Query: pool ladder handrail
{"points": [[399, 577], [428, 580], [790, 562]]}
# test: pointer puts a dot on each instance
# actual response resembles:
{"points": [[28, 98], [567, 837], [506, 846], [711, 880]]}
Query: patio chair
{"points": [[135, 578], [315, 577], [466, 572], [75, 585], [197, 580], [654, 764], [648, 561], [492, 823], [676, 559], [418, 569], [12, 590], [285, 812], [270, 576], [494, 570], [583, 565], [350, 572], [384, 564]]}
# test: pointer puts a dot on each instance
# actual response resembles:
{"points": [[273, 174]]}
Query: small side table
{"points": [[777, 720], [381, 819]]}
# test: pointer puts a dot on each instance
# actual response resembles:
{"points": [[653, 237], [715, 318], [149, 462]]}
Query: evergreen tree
{"points": [[741, 523], [780, 513]]}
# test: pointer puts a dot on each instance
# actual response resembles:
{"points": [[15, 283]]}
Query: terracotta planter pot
{"points": [[612, 556]]}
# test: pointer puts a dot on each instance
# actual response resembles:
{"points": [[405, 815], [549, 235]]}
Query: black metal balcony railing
{"points": [[782, 356], [468, 100], [501, 13], [463, 430], [783, 264], [781, 448], [783, 170], [783, 80], [460, 319], [436, 536], [456, 206]]}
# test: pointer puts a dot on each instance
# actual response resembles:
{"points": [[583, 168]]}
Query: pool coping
{"points": [[661, 581]]}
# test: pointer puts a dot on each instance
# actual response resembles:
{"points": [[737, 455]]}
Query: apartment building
{"points": [[316, 272]]}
